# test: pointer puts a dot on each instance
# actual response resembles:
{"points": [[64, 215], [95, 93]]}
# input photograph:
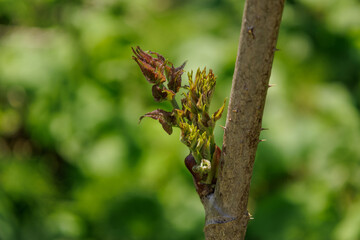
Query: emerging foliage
{"points": [[193, 118]]}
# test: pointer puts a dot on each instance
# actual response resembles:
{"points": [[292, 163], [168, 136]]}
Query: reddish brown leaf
{"points": [[143, 56], [147, 70], [160, 58], [161, 94], [158, 93], [166, 119], [152, 68], [174, 77]]}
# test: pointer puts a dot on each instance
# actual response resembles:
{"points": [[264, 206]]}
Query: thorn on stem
{"points": [[223, 127], [262, 140], [262, 129], [250, 31], [271, 85], [250, 216]]}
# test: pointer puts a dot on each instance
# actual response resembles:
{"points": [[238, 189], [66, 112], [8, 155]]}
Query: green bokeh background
{"points": [[75, 163]]}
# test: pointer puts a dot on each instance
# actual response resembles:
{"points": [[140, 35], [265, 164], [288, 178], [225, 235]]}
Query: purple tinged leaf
{"points": [[190, 162], [166, 119], [158, 93], [148, 71], [160, 58], [143, 56], [161, 94], [152, 68], [174, 77], [166, 126]]}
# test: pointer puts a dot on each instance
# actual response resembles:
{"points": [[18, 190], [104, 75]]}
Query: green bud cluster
{"points": [[193, 118]]}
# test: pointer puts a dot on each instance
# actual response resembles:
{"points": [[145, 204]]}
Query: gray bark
{"points": [[226, 209]]}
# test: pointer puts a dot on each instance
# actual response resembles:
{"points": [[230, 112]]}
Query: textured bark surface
{"points": [[226, 209]]}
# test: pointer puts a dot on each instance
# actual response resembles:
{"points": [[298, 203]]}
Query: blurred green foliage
{"points": [[75, 164]]}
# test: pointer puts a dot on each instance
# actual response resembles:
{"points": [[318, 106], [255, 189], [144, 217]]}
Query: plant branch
{"points": [[226, 210], [174, 103]]}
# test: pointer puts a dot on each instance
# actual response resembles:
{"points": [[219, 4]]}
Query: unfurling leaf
{"points": [[161, 94], [174, 77], [152, 68], [166, 119], [217, 115], [157, 70], [158, 93]]}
